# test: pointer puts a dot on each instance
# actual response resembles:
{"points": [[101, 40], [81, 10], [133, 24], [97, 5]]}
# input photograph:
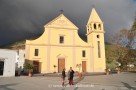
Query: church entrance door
{"points": [[84, 66], [36, 67], [61, 64]]}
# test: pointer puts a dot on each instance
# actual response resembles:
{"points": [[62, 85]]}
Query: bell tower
{"points": [[95, 37]]}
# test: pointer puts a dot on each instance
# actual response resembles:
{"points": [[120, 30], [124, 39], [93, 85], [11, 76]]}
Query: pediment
{"points": [[61, 56], [61, 22], [94, 17]]}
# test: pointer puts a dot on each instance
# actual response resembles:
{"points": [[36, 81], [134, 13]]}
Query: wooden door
{"points": [[84, 66], [36, 67], [61, 64]]}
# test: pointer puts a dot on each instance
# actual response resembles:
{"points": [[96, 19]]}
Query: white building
{"points": [[8, 61], [21, 58]]}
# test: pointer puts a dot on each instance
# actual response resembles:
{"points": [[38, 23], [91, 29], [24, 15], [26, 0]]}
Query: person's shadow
{"points": [[75, 81], [128, 86], [6, 86]]}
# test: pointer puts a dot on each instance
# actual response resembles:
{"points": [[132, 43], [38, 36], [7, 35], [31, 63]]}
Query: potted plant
{"points": [[29, 67], [79, 68], [54, 68]]}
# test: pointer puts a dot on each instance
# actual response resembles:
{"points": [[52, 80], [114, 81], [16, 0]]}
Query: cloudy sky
{"points": [[24, 19]]}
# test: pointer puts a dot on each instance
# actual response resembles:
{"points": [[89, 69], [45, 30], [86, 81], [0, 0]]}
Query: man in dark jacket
{"points": [[70, 76]]}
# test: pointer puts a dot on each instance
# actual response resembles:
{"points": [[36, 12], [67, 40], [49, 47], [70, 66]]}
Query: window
{"points": [[36, 52], [98, 36], [83, 53], [61, 39], [99, 26], [88, 30], [94, 26], [99, 51]]}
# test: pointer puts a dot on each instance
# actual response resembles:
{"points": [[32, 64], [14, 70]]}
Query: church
{"points": [[61, 47]]}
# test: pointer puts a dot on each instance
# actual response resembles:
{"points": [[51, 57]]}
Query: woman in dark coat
{"points": [[63, 77], [70, 76]]}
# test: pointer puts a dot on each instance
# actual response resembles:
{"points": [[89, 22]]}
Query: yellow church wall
{"points": [[27, 50], [71, 58], [67, 52], [40, 40], [42, 57], [79, 41], [61, 52], [79, 58], [55, 33]]}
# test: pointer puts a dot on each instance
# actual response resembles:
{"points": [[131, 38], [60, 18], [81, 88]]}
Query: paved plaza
{"points": [[123, 81]]}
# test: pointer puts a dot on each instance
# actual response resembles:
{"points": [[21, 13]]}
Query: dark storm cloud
{"points": [[20, 19]]}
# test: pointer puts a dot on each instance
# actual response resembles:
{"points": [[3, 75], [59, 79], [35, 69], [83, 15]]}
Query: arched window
{"points": [[94, 26], [88, 29], [99, 26], [98, 36]]}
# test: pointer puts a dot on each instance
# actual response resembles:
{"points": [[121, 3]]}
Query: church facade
{"points": [[61, 47]]}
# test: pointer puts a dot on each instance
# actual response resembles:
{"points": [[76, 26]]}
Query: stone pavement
{"points": [[123, 81]]}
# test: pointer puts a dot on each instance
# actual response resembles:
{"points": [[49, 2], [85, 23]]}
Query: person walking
{"points": [[63, 77], [71, 76]]}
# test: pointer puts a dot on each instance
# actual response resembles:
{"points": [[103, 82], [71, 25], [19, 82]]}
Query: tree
{"points": [[124, 50], [29, 67], [132, 36], [115, 55], [111, 57]]}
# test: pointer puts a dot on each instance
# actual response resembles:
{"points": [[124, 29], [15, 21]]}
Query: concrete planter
{"points": [[30, 74], [107, 71], [118, 71]]}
